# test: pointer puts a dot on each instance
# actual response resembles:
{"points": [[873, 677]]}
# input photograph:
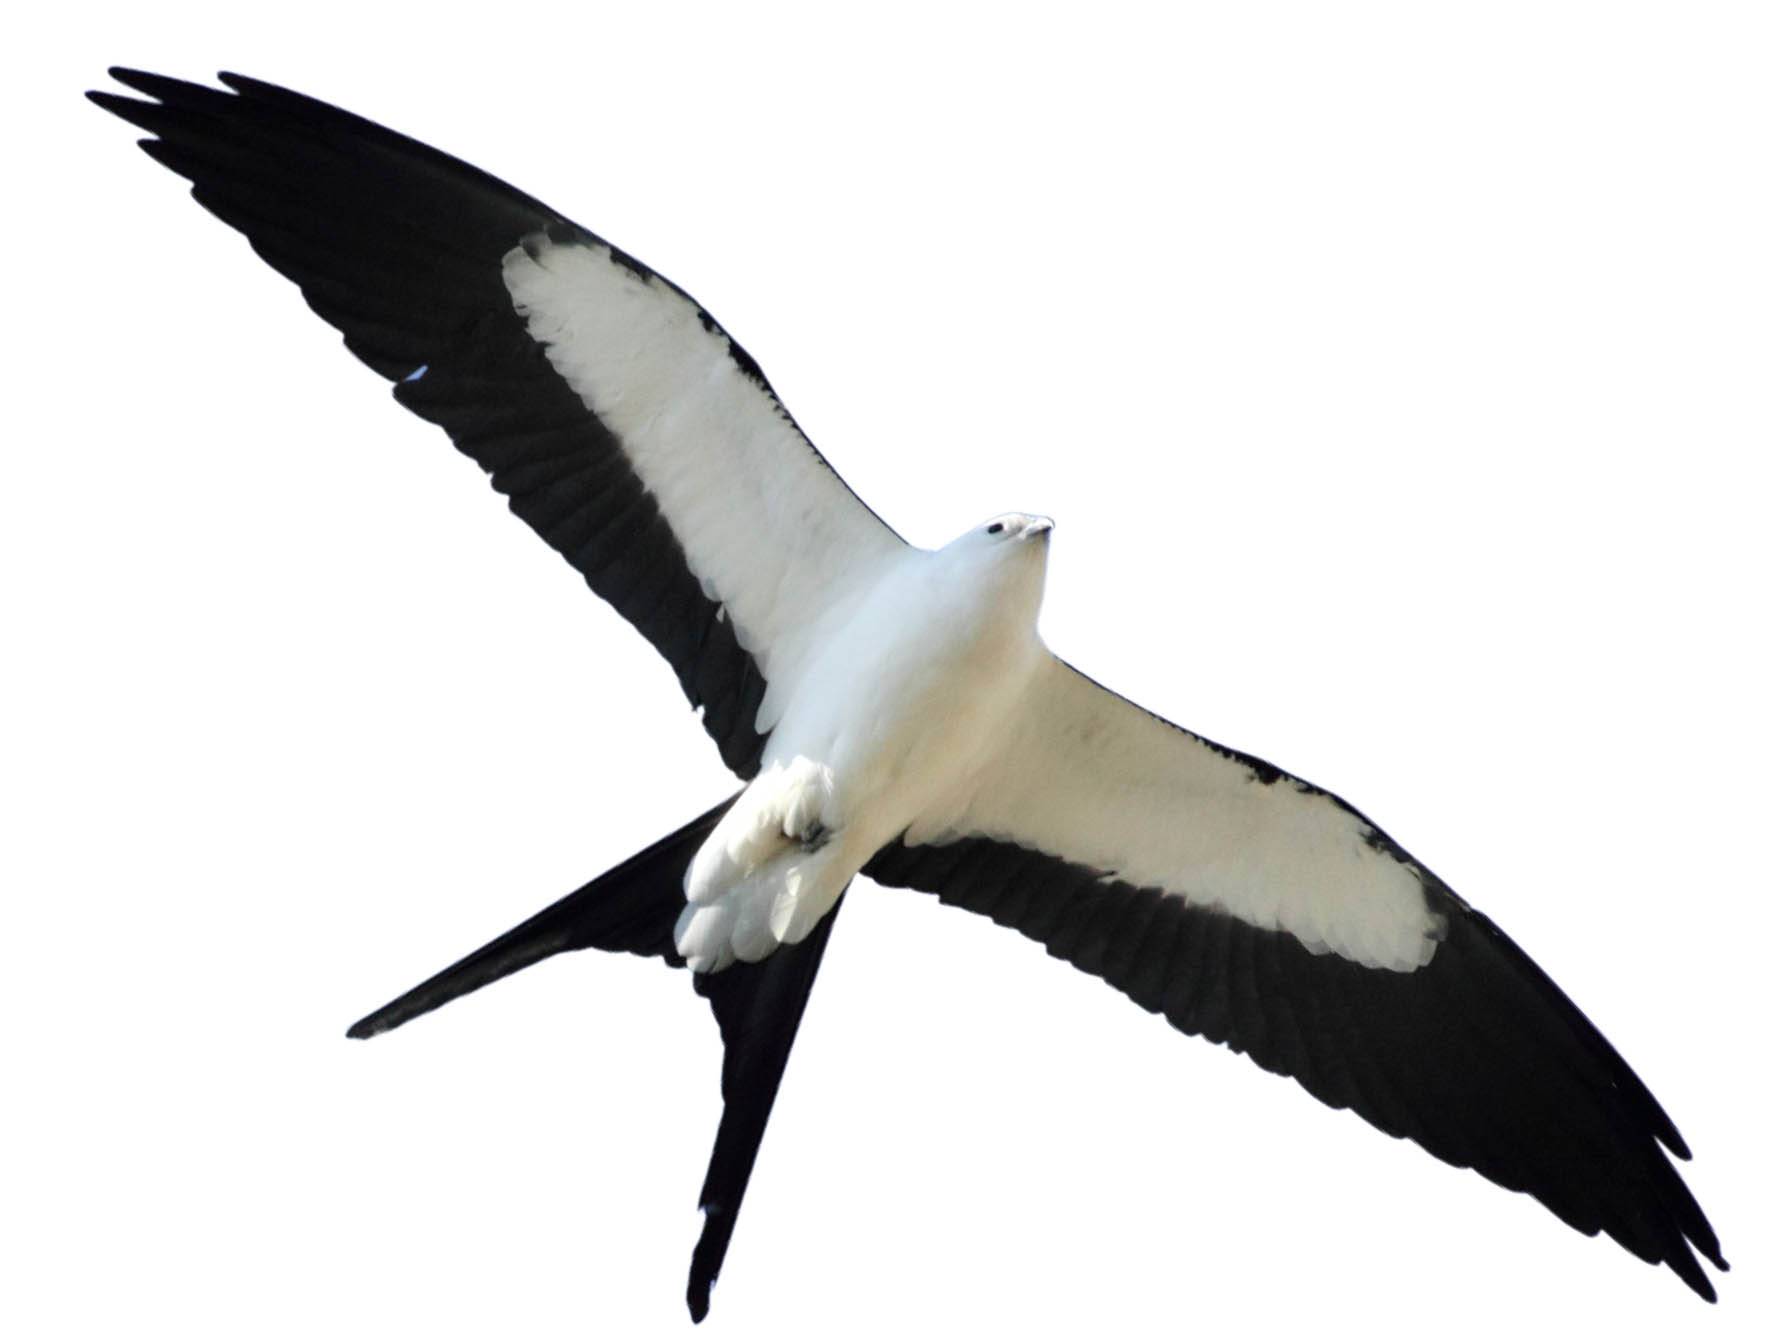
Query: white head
{"points": [[1005, 539], [1010, 528], [1007, 554]]}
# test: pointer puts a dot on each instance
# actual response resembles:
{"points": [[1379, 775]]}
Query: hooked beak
{"points": [[1038, 527]]}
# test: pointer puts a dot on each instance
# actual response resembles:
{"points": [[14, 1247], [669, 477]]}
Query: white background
{"points": [[1409, 385]]}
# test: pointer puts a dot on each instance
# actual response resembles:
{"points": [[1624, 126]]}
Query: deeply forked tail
{"points": [[757, 1005], [631, 907]]}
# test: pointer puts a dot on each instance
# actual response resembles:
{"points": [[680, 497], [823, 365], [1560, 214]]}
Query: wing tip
{"points": [[1669, 1135], [109, 100], [133, 78], [1692, 1274]]}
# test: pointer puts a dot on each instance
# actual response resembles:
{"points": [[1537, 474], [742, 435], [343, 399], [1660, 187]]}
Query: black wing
{"points": [[1477, 1055], [620, 420]]}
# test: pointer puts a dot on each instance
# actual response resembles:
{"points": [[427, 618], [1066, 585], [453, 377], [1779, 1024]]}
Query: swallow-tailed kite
{"points": [[892, 711]]}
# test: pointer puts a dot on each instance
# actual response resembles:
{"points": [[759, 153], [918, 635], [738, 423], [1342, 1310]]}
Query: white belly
{"points": [[893, 711]]}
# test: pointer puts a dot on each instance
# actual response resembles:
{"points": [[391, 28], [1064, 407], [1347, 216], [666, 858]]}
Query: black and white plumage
{"points": [[628, 430]]}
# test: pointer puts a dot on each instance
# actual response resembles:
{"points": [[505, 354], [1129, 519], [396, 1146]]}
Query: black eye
{"points": [[994, 527]]}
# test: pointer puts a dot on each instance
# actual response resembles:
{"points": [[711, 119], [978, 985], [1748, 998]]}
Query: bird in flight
{"points": [[892, 710]]}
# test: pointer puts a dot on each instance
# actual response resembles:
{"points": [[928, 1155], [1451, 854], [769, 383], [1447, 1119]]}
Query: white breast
{"points": [[909, 692], [901, 703]]}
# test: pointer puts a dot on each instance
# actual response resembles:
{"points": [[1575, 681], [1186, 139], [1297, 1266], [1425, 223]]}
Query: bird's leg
{"points": [[804, 803]]}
